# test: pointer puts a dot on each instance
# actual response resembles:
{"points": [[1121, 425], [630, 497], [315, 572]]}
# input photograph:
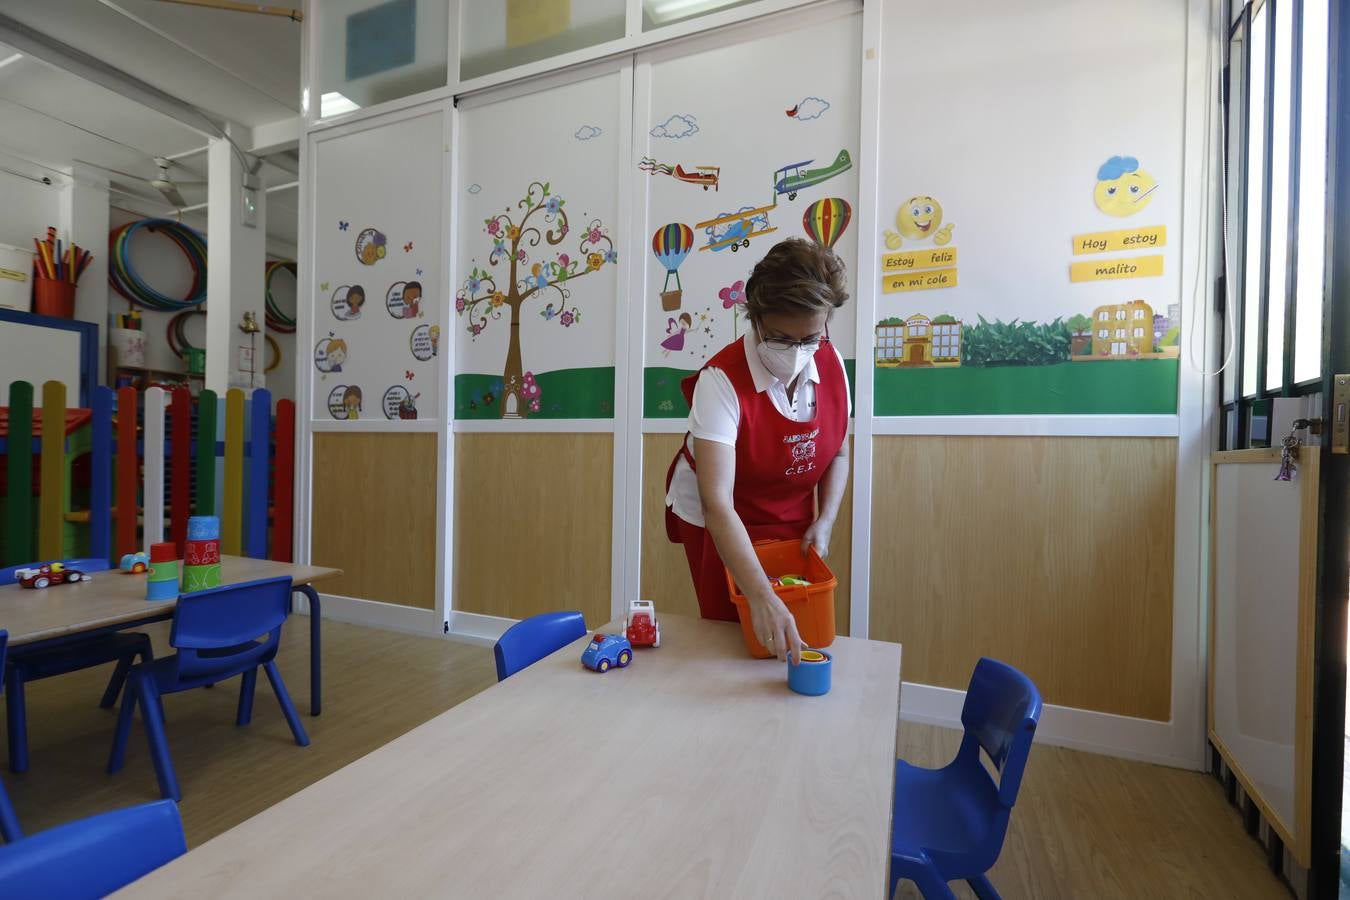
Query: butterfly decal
{"points": [[324, 286], [343, 226], [408, 375], [419, 271], [407, 248]]}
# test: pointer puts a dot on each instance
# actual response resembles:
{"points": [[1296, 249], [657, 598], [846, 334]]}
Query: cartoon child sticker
{"points": [[412, 300], [676, 330], [435, 333], [370, 246], [347, 302], [344, 402], [399, 404], [329, 354], [421, 343], [919, 218], [1123, 188], [404, 300]]}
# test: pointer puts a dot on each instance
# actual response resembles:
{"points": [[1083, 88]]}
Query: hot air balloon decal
{"points": [[670, 245], [826, 220]]}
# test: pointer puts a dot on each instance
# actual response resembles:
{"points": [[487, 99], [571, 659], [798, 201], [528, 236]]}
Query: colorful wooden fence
{"points": [[128, 472]]}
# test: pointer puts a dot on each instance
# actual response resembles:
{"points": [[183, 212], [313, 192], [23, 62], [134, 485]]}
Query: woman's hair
{"points": [[353, 392], [687, 320], [352, 293], [796, 277]]}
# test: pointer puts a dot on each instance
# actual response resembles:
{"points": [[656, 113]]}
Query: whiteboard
{"points": [[1261, 630], [37, 355]]}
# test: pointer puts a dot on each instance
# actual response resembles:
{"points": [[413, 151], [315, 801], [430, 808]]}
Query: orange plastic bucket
{"points": [[811, 605]]}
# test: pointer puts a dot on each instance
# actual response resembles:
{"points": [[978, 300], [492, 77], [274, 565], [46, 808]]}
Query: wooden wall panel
{"points": [[374, 515], [665, 574], [533, 527], [1053, 554]]}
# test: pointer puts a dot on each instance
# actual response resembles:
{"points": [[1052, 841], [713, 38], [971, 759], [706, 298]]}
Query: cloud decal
{"points": [[474, 188], [676, 127], [811, 108], [587, 132]]}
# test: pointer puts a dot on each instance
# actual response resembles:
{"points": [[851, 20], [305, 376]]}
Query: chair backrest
{"points": [[530, 640], [93, 857], [208, 624], [84, 565], [1000, 713]]}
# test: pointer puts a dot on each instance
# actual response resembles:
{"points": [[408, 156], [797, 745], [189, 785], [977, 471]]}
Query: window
{"points": [[1120, 332], [1103, 316], [1139, 332], [1276, 108], [1120, 315], [1138, 313], [1103, 333]]}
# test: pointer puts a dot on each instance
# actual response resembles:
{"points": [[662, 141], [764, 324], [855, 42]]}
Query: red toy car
{"points": [[53, 573], [642, 628]]}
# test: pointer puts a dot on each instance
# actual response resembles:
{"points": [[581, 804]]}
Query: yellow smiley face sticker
{"points": [[1123, 188], [919, 219]]}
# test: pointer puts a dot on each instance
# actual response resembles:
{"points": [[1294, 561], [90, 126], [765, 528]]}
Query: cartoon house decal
{"points": [[1122, 329], [919, 341]]}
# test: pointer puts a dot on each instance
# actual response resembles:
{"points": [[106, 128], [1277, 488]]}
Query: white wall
{"points": [[26, 209]]}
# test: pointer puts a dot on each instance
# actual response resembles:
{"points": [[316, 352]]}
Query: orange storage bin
{"points": [[811, 605]]}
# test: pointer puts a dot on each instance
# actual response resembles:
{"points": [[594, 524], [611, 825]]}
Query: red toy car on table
{"points": [[53, 573], [642, 629]]}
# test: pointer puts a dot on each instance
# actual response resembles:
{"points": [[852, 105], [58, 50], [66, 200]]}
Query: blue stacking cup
{"points": [[811, 676], [203, 528]]}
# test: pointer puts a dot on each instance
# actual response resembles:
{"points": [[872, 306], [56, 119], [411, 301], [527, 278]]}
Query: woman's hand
{"points": [[818, 534], [775, 627]]}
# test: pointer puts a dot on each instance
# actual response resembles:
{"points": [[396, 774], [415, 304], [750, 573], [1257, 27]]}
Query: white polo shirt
{"points": [[715, 415]]}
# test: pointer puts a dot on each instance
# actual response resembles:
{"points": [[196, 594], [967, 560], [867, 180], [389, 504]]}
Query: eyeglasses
{"points": [[778, 344]]}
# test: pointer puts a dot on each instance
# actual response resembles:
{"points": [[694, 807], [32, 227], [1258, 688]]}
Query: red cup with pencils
{"points": [[57, 273]]}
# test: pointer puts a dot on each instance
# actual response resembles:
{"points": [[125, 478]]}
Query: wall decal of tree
{"points": [[481, 300]]}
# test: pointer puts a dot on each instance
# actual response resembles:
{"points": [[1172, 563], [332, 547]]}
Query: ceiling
{"points": [[238, 66]]}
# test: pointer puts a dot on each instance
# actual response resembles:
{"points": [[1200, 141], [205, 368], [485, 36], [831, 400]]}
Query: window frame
{"points": [[1240, 120]]}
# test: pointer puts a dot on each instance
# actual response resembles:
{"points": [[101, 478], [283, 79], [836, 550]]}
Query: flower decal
{"points": [[594, 261], [498, 298], [733, 295]]}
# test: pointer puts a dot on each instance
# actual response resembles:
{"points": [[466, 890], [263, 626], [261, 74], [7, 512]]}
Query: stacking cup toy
{"points": [[162, 580], [810, 676]]}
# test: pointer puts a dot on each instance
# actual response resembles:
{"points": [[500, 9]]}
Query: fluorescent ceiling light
{"points": [[335, 104], [10, 59], [663, 11]]}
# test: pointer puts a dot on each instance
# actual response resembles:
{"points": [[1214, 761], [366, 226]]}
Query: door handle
{"points": [[1340, 414]]}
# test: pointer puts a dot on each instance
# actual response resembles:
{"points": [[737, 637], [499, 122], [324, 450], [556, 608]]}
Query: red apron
{"points": [[779, 462]]}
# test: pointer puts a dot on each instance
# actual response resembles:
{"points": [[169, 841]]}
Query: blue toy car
{"points": [[605, 651]]}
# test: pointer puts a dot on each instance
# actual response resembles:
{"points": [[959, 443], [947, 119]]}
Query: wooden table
{"points": [[112, 601], [695, 772]]}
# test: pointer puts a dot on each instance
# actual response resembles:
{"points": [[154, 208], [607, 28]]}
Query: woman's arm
{"points": [[831, 494], [774, 625]]}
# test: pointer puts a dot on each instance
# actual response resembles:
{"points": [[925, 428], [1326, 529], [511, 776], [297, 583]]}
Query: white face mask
{"points": [[785, 364]]}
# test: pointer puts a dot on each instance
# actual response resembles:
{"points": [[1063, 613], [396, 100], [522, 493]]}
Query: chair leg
{"points": [[17, 719], [982, 888], [152, 712], [931, 884], [287, 707], [122, 733], [246, 687], [9, 822], [115, 683]]}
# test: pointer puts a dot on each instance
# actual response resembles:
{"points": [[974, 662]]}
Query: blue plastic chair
{"points": [[219, 633], [95, 856], [9, 822], [68, 656], [530, 640], [948, 824]]}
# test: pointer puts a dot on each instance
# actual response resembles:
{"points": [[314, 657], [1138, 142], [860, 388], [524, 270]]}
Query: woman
{"points": [[767, 425]]}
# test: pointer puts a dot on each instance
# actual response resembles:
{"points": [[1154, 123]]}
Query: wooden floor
{"points": [[1085, 826]]}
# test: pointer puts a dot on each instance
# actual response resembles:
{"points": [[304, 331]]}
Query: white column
{"points": [[236, 253], [83, 219]]}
